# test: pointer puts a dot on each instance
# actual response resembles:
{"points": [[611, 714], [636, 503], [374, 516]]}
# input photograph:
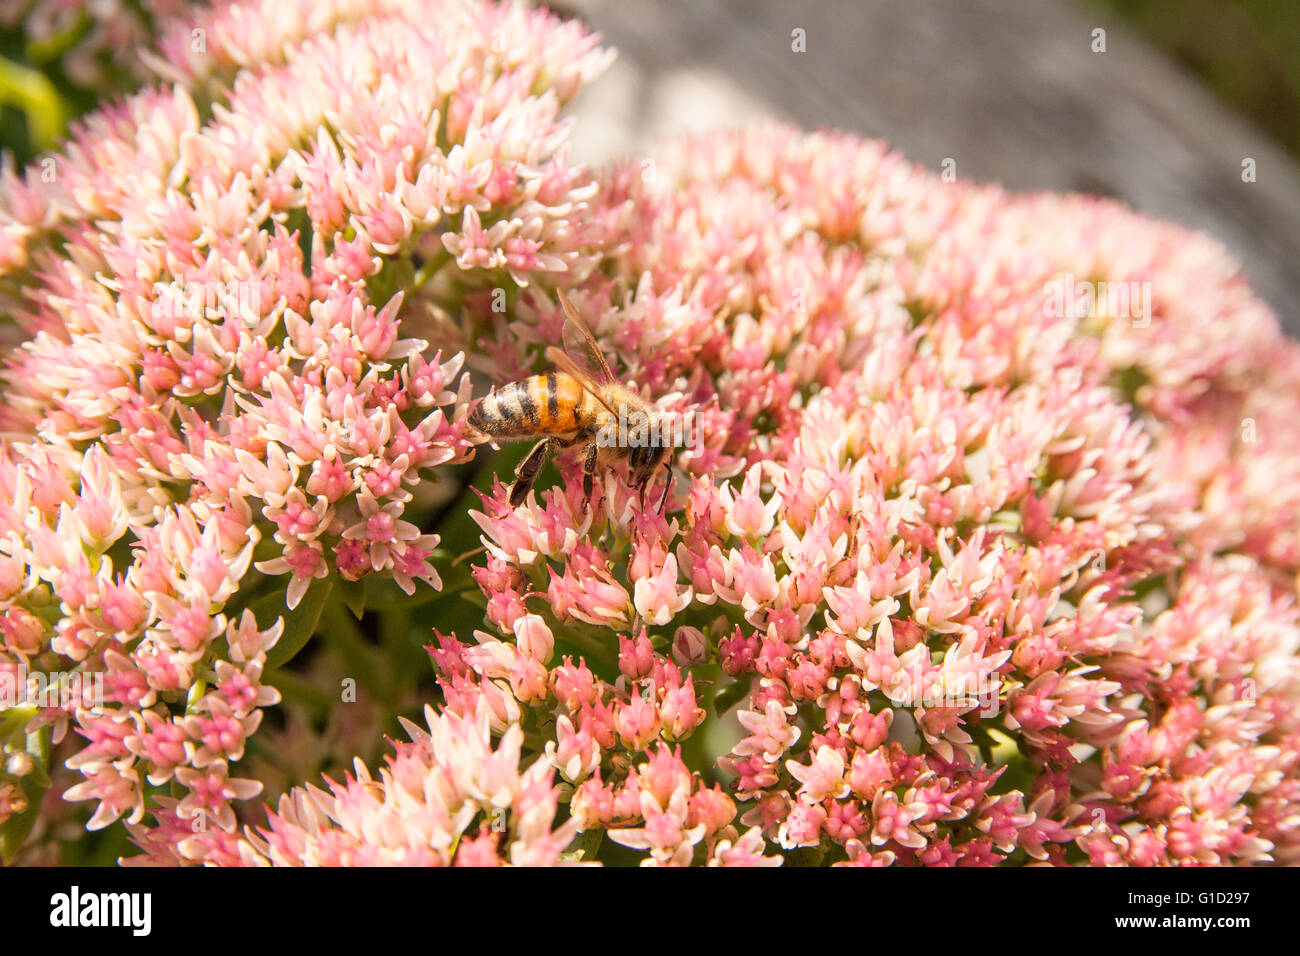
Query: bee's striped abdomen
{"points": [[510, 411], [568, 403], [554, 403]]}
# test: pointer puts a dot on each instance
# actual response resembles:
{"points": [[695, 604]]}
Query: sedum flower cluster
{"points": [[954, 570], [215, 405]]}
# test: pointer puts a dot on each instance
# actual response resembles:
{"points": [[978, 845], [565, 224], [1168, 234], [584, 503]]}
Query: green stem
{"points": [[33, 93], [593, 648], [430, 268], [695, 748], [50, 49]]}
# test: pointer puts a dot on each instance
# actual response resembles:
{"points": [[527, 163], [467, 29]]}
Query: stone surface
{"points": [[1011, 91]]}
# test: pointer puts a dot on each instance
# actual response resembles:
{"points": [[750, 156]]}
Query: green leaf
{"points": [[14, 831], [299, 624], [585, 845], [732, 694], [805, 856], [384, 594], [353, 596]]}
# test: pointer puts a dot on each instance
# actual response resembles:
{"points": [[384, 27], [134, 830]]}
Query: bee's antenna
{"points": [[468, 554]]}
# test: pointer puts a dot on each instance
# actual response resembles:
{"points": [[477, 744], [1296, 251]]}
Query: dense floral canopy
{"points": [[949, 575]]}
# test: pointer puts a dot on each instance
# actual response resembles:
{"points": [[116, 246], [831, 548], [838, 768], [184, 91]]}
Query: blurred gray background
{"points": [[1012, 91]]}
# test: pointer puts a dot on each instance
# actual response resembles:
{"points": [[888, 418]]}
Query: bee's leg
{"points": [[527, 472], [588, 472], [668, 486]]}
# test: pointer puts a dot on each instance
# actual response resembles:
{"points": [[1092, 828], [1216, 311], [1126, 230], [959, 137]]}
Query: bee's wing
{"points": [[564, 363], [588, 339]]}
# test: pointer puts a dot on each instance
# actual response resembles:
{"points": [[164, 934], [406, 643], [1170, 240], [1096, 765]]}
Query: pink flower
{"points": [[747, 515], [770, 733], [638, 723], [982, 576], [824, 778], [657, 597], [679, 709]]}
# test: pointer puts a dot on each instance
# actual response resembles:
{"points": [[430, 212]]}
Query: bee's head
{"points": [[646, 460]]}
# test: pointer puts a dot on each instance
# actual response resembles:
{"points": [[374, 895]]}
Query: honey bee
{"points": [[569, 407]]}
